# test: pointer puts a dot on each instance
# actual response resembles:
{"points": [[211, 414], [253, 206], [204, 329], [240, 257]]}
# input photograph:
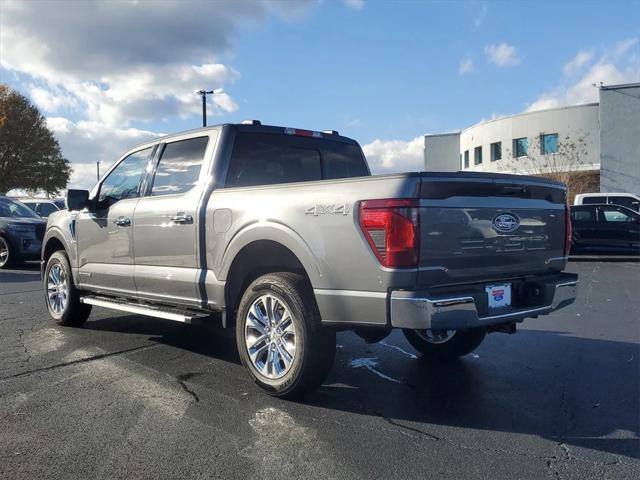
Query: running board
{"points": [[167, 313]]}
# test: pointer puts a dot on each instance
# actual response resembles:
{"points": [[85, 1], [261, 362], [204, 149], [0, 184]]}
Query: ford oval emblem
{"points": [[506, 222]]}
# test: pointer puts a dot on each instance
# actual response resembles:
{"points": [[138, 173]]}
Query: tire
{"points": [[300, 334], [459, 344], [65, 307], [7, 257]]}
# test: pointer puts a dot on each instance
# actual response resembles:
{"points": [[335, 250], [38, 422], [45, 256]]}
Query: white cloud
{"points": [[465, 66], [388, 156], [52, 100], [617, 64], [482, 15], [354, 4], [88, 142], [112, 66], [576, 63], [503, 54]]}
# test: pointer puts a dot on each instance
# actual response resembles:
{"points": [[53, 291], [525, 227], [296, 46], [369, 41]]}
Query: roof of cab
{"points": [[250, 127]]}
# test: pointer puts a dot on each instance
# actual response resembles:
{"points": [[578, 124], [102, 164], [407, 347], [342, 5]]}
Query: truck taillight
{"points": [[567, 227], [392, 229]]}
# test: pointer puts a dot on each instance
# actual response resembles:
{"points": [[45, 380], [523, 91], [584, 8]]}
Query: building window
{"points": [[466, 159], [548, 143], [477, 155], [496, 151], [520, 147]]}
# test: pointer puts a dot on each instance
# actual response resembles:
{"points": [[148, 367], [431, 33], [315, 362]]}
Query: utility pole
{"points": [[204, 94], [98, 169]]}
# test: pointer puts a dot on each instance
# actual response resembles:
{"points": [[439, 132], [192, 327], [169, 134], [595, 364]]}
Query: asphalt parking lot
{"points": [[133, 397]]}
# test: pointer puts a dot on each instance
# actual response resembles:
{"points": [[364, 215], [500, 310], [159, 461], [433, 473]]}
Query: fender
{"points": [[276, 232], [61, 228]]}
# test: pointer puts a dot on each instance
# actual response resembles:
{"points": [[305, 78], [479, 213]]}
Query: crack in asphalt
{"points": [[551, 460], [24, 345], [406, 427], [78, 361], [182, 381]]}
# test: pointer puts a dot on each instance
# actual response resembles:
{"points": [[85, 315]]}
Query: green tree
{"points": [[30, 156]]}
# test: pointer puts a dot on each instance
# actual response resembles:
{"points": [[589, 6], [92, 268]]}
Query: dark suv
{"points": [[605, 229], [21, 232]]}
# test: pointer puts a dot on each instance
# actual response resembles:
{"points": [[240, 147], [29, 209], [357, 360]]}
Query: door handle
{"points": [[122, 221], [182, 217]]}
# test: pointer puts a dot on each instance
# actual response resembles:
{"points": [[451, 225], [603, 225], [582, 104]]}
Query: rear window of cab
{"points": [[268, 159]]}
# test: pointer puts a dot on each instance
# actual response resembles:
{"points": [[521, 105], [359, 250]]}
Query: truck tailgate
{"points": [[477, 226]]}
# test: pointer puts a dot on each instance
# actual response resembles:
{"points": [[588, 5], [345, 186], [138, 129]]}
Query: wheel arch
{"points": [[53, 245], [255, 259]]}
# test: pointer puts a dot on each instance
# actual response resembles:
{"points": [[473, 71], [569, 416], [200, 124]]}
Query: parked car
{"points": [[605, 229], [43, 207], [284, 235], [21, 233], [628, 200]]}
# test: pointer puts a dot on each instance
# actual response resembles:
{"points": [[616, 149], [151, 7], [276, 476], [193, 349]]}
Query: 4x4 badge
{"points": [[320, 209]]}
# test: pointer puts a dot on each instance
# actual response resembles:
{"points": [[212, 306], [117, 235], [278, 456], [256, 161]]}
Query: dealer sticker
{"points": [[499, 295]]}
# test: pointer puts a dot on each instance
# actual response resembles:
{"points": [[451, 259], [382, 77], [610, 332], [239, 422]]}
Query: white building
{"points": [[601, 141]]}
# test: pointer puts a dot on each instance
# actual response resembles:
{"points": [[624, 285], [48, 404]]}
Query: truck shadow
{"points": [[207, 340], [573, 391]]}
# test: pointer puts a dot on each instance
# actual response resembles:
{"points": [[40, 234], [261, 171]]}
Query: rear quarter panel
{"points": [[318, 222]]}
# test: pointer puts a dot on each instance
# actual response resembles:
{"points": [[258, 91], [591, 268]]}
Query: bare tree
{"points": [[564, 164]]}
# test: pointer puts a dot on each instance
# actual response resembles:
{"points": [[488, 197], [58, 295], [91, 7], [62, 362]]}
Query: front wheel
{"points": [[61, 295], [280, 338], [6, 254], [445, 345]]}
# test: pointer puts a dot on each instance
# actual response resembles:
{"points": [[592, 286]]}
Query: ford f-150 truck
{"points": [[284, 235]]}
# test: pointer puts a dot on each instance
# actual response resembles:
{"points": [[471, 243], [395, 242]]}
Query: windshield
{"points": [[10, 208]]}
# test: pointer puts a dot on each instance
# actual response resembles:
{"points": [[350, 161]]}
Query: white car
{"points": [[628, 200], [44, 207]]}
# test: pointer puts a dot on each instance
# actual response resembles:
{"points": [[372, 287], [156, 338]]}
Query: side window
{"points": [[612, 214], [46, 209], [549, 143], [179, 167], [583, 215], [592, 200], [628, 202], [124, 181], [343, 161], [263, 159], [477, 155], [520, 147]]}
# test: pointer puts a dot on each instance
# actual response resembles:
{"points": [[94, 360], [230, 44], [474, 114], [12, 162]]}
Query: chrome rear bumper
{"points": [[417, 310]]}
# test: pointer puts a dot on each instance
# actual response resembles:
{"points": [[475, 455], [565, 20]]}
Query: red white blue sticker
{"points": [[499, 295]]}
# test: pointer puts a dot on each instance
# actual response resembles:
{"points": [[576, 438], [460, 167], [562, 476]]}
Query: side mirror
{"points": [[77, 199]]}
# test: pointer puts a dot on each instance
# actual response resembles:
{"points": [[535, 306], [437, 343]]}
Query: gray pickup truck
{"points": [[284, 234]]}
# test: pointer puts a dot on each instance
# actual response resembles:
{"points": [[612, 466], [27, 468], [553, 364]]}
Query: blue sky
{"points": [[109, 74]]}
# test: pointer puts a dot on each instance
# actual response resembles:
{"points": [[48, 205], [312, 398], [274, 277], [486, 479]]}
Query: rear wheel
{"points": [[6, 253], [61, 295], [445, 344], [280, 338]]}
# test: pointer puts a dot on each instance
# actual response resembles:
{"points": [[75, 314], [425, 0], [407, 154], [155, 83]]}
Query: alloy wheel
{"points": [[4, 252], [436, 336], [270, 337], [57, 289]]}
